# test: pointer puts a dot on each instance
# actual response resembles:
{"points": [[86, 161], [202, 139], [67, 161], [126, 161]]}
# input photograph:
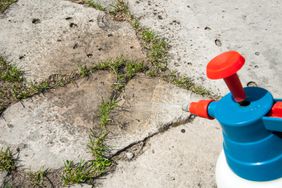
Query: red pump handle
{"points": [[226, 66]]}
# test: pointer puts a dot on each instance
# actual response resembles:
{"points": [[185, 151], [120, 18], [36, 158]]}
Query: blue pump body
{"points": [[252, 140]]}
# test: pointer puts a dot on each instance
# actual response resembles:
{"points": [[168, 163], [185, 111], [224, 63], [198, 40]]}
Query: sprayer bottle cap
{"points": [[225, 65]]}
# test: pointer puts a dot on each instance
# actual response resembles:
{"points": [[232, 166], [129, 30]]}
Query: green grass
{"points": [[7, 160], [37, 178], [95, 4], [124, 70], [77, 173], [9, 73], [84, 71], [188, 84], [13, 86], [85, 171], [120, 11], [104, 112], [4, 4]]}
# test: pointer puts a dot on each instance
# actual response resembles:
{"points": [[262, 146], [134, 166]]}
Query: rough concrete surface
{"points": [[199, 30], [80, 186], [2, 177], [54, 127], [181, 157], [146, 107], [154, 143], [56, 36]]}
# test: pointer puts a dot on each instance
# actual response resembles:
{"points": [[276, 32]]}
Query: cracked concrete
{"points": [[200, 30], [51, 128], [152, 141], [56, 36], [146, 107], [179, 157]]}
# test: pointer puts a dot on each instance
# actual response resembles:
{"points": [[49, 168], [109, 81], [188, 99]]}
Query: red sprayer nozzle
{"points": [[200, 108], [226, 66]]}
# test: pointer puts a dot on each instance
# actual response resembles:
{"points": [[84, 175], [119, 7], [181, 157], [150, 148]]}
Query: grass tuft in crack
{"points": [[7, 160], [188, 84], [85, 171], [37, 178], [155, 46], [4, 4], [9, 73], [13, 86], [95, 4], [123, 68]]}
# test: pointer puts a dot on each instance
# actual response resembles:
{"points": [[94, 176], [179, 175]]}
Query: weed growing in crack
{"points": [[7, 160], [77, 173], [9, 73], [13, 87], [120, 11], [37, 178], [104, 112], [94, 4], [84, 171], [123, 68], [4, 4], [187, 83], [84, 71]]}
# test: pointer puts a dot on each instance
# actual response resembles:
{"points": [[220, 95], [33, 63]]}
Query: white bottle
{"points": [[226, 178]]}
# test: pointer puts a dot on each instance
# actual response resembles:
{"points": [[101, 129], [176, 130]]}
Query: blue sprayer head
{"points": [[251, 121]]}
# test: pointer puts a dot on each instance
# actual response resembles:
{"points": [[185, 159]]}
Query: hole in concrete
{"points": [[73, 25], [183, 130], [100, 49], [257, 53], [91, 20], [218, 42], [131, 47], [35, 21], [75, 46], [68, 18], [207, 28], [160, 17], [89, 55], [110, 35], [22, 56], [59, 40]]}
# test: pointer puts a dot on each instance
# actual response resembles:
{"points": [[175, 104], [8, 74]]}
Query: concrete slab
{"points": [[200, 30], [56, 36], [148, 106], [80, 186], [54, 127], [181, 157], [2, 177]]}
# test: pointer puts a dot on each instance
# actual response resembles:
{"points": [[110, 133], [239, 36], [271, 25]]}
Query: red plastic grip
{"points": [[225, 66]]}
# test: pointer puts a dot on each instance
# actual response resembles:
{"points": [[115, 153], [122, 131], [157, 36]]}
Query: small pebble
{"points": [[129, 155]]}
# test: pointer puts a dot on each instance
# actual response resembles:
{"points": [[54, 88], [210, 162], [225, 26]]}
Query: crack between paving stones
{"points": [[161, 130]]}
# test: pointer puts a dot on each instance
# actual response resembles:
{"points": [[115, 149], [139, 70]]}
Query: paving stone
{"points": [[172, 159], [54, 127], [80, 186], [56, 36], [200, 30], [2, 177], [147, 106]]}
